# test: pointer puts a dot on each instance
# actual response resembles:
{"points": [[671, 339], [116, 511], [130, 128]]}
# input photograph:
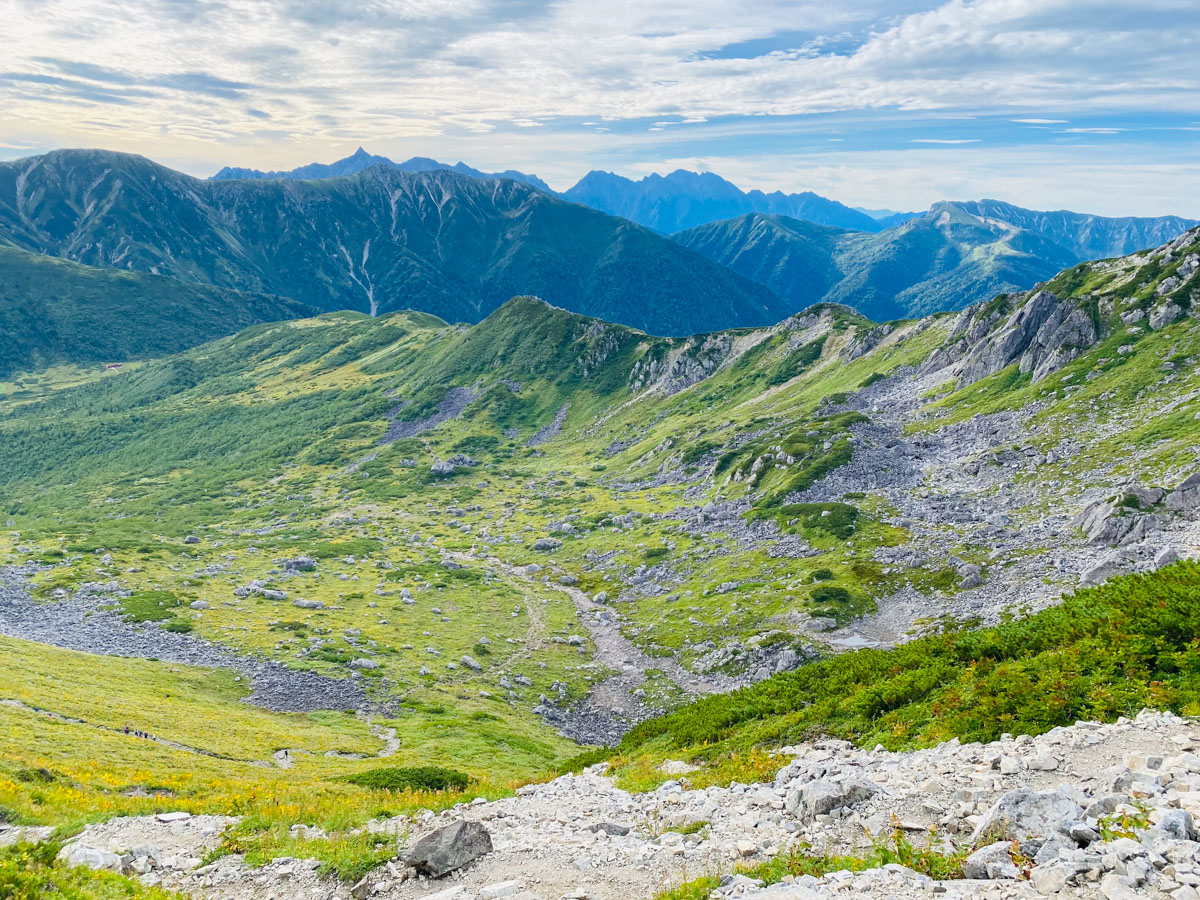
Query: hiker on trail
{"points": [[127, 730]]}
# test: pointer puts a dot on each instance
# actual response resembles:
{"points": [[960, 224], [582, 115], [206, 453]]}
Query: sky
{"points": [[1091, 105]]}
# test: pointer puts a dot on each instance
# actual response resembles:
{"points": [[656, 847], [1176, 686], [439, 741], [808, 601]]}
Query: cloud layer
{"points": [[622, 84]]}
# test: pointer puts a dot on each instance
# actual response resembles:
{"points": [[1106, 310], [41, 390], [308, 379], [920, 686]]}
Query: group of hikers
{"points": [[136, 733]]}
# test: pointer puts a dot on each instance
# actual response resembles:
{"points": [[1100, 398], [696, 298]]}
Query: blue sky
{"points": [[1085, 104]]}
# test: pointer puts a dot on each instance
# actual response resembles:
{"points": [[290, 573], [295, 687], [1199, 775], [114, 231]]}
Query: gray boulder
{"points": [[308, 604], [1186, 496], [1023, 814], [1101, 572], [991, 862], [449, 848], [90, 857], [1177, 824], [822, 796]]}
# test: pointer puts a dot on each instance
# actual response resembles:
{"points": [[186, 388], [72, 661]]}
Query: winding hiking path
{"points": [[614, 705]]}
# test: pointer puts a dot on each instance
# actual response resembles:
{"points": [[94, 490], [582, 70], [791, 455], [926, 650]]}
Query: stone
{"points": [[611, 829], [499, 889], [1186, 495], [1165, 557], [363, 663], [1049, 879], [169, 817], [1100, 573], [307, 604], [1023, 814], [1116, 887], [820, 797], [449, 848], [471, 664], [991, 862], [1178, 825], [90, 857]]}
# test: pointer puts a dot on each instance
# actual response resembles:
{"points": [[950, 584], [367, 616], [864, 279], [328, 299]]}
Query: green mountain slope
{"points": [[376, 241], [943, 260], [54, 311]]}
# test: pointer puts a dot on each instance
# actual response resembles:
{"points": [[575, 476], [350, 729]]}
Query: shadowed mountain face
{"points": [[381, 240], [946, 259], [361, 160], [670, 203], [55, 311]]}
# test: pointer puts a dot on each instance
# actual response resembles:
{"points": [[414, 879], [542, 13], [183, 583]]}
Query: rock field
{"points": [[1089, 811]]}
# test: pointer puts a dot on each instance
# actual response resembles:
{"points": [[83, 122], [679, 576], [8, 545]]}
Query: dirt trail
{"points": [[616, 704]]}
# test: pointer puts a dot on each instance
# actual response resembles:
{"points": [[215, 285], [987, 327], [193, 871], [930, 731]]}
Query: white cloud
{"points": [[277, 83], [944, 141]]}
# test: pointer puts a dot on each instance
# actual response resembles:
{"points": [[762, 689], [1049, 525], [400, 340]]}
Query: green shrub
{"points": [[150, 606], [411, 778], [1103, 653], [828, 593], [836, 519]]}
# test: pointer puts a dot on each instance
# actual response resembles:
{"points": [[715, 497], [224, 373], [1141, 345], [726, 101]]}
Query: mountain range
{"points": [[350, 579], [360, 160], [379, 240], [924, 265], [682, 199], [366, 234]]}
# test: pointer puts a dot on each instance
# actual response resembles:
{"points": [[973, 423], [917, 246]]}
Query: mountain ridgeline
{"points": [[927, 264], [361, 160], [682, 199], [380, 240], [373, 236]]}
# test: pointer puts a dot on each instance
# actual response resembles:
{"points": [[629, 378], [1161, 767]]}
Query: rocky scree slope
{"points": [[1090, 811]]}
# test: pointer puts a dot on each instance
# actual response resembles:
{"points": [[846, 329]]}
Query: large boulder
{"points": [[90, 857], [449, 848], [1186, 496], [823, 796], [1023, 814]]}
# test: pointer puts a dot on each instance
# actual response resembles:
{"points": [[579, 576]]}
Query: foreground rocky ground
{"points": [[1095, 811]]}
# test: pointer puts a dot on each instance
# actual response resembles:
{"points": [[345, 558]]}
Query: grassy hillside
{"points": [[54, 311]]}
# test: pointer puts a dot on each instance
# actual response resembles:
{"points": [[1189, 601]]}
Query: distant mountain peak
{"points": [[684, 199], [361, 160]]}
